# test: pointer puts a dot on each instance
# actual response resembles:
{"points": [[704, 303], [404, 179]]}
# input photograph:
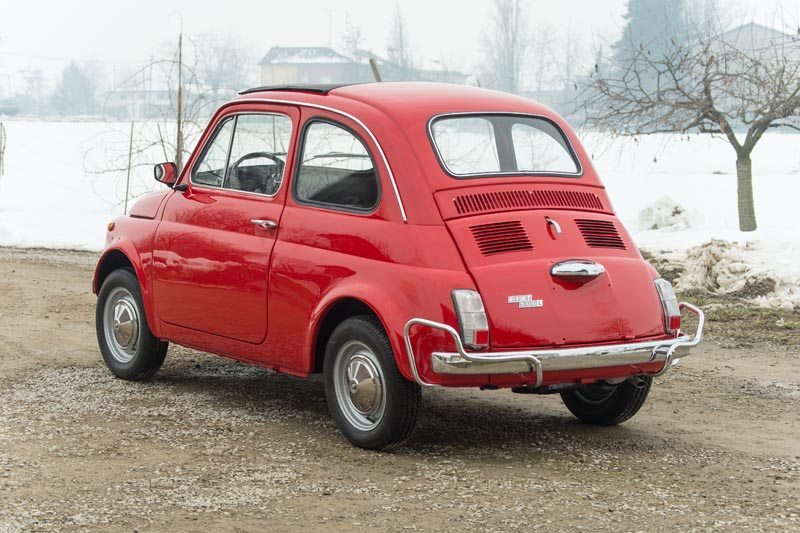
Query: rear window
{"points": [[475, 145]]}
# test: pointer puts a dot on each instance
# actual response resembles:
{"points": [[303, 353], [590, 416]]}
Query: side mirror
{"points": [[166, 173]]}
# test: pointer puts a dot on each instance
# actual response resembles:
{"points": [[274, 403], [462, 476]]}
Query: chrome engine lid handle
{"points": [[582, 268]]}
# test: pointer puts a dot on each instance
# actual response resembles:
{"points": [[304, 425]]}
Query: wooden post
{"points": [[179, 143], [2, 146], [128, 178], [375, 71]]}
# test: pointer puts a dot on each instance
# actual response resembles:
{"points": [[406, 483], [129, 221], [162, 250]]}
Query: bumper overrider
{"points": [[541, 361]]}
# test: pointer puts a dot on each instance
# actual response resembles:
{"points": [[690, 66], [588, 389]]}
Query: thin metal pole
{"points": [[128, 178]]}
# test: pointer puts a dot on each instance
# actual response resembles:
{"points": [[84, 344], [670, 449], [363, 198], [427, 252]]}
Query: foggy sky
{"points": [[51, 32]]}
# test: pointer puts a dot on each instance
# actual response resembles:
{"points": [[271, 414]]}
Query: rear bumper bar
{"points": [[541, 361]]}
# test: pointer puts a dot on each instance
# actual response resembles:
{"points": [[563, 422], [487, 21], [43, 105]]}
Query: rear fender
{"points": [[382, 304]]}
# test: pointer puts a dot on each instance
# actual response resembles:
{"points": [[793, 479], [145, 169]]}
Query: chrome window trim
{"points": [[354, 119], [235, 117], [570, 148]]}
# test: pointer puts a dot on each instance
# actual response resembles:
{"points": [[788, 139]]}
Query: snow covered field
{"points": [[48, 199], [700, 175]]}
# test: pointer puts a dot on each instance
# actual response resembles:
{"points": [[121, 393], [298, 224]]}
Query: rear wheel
{"points": [[373, 405], [129, 348], [602, 404]]}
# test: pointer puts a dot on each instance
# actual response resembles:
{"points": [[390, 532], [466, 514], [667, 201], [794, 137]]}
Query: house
{"points": [[760, 41], [322, 64], [308, 64], [137, 103]]}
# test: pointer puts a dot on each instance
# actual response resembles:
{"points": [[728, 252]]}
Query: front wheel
{"points": [[373, 405], [129, 348], [602, 404]]}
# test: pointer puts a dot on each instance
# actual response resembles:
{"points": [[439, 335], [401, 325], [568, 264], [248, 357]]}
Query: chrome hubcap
{"points": [[121, 324], [359, 385]]}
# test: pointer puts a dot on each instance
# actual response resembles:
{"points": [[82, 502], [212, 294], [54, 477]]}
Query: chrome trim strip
{"points": [[573, 154], [539, 361], [354, 119]]}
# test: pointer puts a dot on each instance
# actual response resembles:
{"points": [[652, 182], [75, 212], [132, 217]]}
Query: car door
{"points": [[213, 247]]}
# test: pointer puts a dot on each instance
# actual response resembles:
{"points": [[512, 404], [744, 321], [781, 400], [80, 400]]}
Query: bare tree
{"points": [[506, 46], [76, 91], [567, 60], [168, 136], [352, 37], [222, 63], [541, 57], [398, 48], [737, 84]]}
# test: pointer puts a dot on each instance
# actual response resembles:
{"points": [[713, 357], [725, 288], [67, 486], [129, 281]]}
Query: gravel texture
{"points": [[211, 444]]}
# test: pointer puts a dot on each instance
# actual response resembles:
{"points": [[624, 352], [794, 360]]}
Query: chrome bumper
{"points": [[540, 361]]}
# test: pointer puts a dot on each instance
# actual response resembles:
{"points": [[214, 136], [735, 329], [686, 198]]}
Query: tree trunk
{"points": [[744, 179]]}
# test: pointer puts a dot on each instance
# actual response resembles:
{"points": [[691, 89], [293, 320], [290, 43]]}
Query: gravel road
{"points": [[214, 445]]}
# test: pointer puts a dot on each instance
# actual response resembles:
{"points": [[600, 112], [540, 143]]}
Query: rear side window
{"points": [[476, 145], [335, 169]]}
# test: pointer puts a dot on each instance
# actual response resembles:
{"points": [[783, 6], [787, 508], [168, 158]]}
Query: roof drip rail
{"points": [[318, 88]]}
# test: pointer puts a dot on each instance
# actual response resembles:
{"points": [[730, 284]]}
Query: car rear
{"points": [[557, 277]]}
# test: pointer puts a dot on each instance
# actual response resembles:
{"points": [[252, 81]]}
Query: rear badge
{"points": [[525, 301]]}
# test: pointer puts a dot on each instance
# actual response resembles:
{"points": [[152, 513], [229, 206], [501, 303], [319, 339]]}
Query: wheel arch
{"points": [[110, 261], [336, 311], [124, 255], [353, 300]]}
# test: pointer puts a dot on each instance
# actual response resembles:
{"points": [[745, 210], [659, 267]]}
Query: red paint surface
{"points": [[213, 281]]}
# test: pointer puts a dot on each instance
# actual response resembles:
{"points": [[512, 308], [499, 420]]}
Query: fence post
{"points": [[375, 71], [128, 178], [2, 147]]}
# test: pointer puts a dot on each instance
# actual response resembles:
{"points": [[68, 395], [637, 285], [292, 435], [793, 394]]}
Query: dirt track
{"points": [[215, 445]]}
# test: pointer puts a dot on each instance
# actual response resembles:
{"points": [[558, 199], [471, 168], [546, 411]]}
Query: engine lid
{"points": [[512, 255]]}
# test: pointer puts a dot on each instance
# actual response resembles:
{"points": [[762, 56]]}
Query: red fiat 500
{"points": [[392, 236]]}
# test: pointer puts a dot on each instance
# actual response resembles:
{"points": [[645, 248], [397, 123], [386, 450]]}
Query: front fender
{"points": [[137, 255]]}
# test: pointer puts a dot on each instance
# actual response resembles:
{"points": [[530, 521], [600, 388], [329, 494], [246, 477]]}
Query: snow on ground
{"points": [[49, 195], [673, 194], [649, 178]]}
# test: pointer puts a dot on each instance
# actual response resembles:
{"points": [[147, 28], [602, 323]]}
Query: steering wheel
{"points": [[269, 182]]}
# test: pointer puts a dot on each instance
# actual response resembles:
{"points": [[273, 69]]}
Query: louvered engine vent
{"points": [[521, 199], [501, 237], [600, 233]]}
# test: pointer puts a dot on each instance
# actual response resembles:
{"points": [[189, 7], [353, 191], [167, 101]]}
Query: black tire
{"points": [[361, 341], [146, 353], [601, 404]]}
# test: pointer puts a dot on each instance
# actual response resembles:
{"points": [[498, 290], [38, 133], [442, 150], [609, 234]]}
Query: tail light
{"points": [[669, 303], [471, 318]]}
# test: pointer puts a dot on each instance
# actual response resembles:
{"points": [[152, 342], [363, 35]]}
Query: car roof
{"points": [[400, 99]]}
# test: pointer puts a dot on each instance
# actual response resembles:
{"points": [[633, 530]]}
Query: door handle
{"points": [[264, 223]]}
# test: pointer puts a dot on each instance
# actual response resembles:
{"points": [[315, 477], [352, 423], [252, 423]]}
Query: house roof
{"points": [[302, 54], [756, 36]]}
